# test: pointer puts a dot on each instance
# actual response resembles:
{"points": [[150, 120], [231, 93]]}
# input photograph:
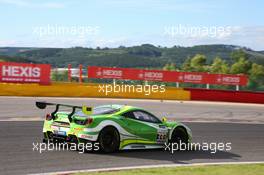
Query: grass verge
{"points": [[246, 169]]}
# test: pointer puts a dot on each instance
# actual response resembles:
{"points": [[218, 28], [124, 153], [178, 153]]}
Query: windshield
{"points": [[104, 110], [100, 110]]}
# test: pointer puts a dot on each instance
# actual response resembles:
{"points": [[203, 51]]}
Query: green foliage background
{"points": [[204, 58]]}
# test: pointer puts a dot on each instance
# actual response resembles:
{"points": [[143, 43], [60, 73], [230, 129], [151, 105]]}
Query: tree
{"points": [[219, 66], [198, 63], [241, 62], [242, 66], [59, 76], [186, 66], [195, 64], [170, 67], [236, 55], [257, 73], [173, 66]]}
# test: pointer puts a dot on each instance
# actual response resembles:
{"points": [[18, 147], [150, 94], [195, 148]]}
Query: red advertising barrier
{"points": [[166, 76], [226, 95], [24, 73], [193, 77], [227, 79]]}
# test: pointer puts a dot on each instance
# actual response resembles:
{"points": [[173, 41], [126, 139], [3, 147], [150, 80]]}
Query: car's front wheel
{"points": [[109, 140], [180, 138]]}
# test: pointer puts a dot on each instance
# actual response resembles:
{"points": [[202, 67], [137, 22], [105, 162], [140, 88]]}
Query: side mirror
{"points": [[164, 119]]}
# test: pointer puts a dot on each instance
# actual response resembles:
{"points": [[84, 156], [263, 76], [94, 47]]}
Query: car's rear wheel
{"points": [[48, 137], [109, 140]]}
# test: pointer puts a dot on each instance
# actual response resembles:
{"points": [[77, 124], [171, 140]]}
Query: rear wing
{"points": [[86, 110]]}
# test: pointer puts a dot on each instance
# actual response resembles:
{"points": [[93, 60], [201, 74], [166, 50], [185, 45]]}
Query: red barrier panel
{"points": [[24, 73], [131, 74], [227, 79], [227, 96], [193, 77], [166, 76]]}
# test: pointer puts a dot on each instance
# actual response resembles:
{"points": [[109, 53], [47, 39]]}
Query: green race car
{"points": [[113, 127]]}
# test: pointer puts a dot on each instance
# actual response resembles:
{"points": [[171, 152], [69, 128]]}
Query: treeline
{"points": [[239, 64], [204, 58], [16, 59], [144, 56]]}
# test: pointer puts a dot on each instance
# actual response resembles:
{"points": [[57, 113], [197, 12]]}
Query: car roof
{"points": [[113, 106], [122, 108], [118, 107]]}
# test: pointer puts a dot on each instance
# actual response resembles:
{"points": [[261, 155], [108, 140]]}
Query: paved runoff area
{"points": [[23, 108]]}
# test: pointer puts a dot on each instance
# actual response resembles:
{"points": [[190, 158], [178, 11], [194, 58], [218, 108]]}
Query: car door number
{"points": [[161, 136]]}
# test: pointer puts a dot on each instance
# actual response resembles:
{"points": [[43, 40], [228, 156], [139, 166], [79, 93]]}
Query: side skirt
{"points": [[141, 146]]}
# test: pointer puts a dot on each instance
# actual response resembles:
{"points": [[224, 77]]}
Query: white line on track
{"points": [[148, 167]]}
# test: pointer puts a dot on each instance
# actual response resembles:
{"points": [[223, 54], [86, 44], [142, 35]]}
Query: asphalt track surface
{"points": [[17, 138]]}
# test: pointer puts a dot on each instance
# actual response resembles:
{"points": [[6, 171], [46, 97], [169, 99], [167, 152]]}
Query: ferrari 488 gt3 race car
{"points": [[114, 127]]}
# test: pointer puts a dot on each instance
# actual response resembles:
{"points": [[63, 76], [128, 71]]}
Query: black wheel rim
{"points": [[179, 136], [109, 140]]}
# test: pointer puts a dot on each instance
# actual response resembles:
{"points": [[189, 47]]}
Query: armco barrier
{"points": [[227, 96], [84, 90]]}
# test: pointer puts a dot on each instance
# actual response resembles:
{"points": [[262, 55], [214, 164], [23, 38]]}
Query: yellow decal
{"points": [[87, 110]]}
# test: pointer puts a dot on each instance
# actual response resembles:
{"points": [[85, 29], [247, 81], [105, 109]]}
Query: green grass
{"points": [[249, 169]]}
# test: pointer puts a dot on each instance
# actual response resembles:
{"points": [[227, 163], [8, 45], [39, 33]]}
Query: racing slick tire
{"points": [[109, 140], [179, 136]]}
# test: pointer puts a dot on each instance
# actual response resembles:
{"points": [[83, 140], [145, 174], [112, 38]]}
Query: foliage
{"points": [[249, 169], [144, 56], [170, 67], [205, 58], [16, 59], [59, 76], [219, 66], [256, 74], [198, 63], [237, 55], [240, 65], [186, 66]]}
